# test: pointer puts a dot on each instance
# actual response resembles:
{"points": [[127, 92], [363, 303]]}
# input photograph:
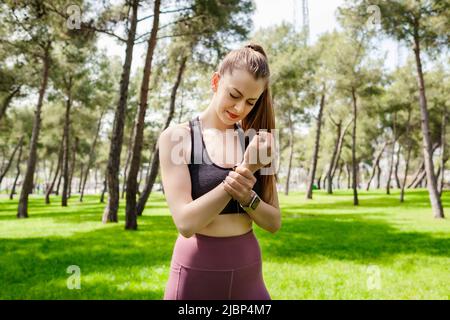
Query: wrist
{"points": [[252, 167], [223, 187], [247, 201], [254, 202]]}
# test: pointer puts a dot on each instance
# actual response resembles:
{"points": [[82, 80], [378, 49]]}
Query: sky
{"points": [[321, 14], [268, 13]]}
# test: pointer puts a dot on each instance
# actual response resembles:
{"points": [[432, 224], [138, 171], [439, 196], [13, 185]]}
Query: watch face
{"points": [[255, 203]]}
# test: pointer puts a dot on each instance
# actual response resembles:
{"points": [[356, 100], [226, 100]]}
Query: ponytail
{"points": [[253, 59]]}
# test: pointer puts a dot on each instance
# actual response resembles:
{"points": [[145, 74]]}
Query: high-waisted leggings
{"points": [[216, 268]]}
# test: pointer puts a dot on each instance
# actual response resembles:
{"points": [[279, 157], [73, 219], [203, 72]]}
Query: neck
{"points": [[210, 119]]}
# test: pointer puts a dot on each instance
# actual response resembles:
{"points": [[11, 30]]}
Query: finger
{"points": [[230, 190], [235, 194], [243, 180], [246, 173], [239, 187]]}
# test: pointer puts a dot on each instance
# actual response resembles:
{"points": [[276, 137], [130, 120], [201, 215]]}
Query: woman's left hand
{"points": [[239, 184]]}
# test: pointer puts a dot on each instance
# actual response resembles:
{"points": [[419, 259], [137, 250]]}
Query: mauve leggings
{"points": [[216, 268]]}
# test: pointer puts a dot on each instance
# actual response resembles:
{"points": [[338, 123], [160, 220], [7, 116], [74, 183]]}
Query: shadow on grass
{"points": [[344, 201], [33, 263], [346, 237]]}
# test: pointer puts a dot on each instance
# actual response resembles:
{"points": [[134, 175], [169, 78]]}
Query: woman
{"points": [[214, 200]]}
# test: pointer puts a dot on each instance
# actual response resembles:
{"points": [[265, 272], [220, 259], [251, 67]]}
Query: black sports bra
{"points": [[205, 174]]}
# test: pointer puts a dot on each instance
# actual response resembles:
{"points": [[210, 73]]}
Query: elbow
{"points": [[183, 223], [276, 225], [275, 229], [185, 232], [185, 229]]}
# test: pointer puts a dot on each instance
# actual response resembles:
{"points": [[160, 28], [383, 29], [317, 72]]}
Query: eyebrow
{"points": [[242, 94]]}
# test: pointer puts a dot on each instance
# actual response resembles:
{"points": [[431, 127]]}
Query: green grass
{"points": [[326, 249]]}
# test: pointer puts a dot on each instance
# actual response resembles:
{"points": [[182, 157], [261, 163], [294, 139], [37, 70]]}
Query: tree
{"points": [[110, 212], [419, 24], [130, 214]]}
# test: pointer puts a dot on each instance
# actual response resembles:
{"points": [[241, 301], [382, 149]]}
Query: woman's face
{"points": [[235, 94]]}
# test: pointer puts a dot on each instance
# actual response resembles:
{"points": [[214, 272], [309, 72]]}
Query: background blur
{"points": [[361, 95]]}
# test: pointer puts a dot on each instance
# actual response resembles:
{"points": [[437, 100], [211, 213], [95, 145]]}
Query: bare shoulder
{"points": [[176, 136], [174, 133]]}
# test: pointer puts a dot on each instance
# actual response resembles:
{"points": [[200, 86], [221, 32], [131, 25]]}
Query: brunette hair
{"points": [[253, 58]]}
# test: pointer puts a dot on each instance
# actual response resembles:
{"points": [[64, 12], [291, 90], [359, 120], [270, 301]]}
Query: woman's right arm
{"points": [[189, 215]]}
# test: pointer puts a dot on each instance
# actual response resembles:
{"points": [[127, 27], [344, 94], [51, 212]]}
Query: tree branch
{"points": [[89, 26], [168, 11]]}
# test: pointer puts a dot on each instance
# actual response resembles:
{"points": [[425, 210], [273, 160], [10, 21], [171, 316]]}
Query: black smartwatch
{"points": [[254, 202]]}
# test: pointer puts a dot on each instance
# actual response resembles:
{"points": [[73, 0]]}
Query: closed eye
{"points": [[251, 104]]}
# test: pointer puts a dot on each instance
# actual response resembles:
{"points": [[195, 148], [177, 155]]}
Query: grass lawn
{"points": [[326, 249]]}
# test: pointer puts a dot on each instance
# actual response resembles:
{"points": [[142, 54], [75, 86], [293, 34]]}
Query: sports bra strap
{"points": [[198, 153], [241, 137]]}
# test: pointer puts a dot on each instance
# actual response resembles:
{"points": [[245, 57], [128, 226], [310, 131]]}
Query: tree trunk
{"points": [[347, 168], [324, 180], [291, 153], [65, 166], [416, 175], [339, 176], [443, 150], [341, 143], [80, 179], [72, 165], [127, 162], [19, 158], [7, 101], [354, 176], [376, 165], [141, 173], [420, 179], [49, 189], [435, 199], [130, 210], [105, 188], [8, 164], [91, 157], [408, 156], [150, 180], [58, 185], [315, 155], [22, 210], [333, 156], [50, 175], [391, 166], [110, 212], [391, 161], [397, 162], [180, 114]]}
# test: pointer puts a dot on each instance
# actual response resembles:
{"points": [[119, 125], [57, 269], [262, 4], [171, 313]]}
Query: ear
{"points": [[215, 81]]}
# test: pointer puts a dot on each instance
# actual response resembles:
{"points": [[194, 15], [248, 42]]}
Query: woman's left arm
{"points": [[238, 184], [268, 216]]}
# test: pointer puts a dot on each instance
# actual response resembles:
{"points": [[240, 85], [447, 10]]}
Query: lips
{"points": [[232, 115]]}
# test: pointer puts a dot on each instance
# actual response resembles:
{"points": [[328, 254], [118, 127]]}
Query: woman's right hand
{"points": [[239, 184], [259, 152]]}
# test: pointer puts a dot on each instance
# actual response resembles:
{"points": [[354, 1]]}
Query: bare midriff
{"points": [[228, 225]]}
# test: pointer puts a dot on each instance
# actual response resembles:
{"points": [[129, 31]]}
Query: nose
{"points": [[240, 107]]}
